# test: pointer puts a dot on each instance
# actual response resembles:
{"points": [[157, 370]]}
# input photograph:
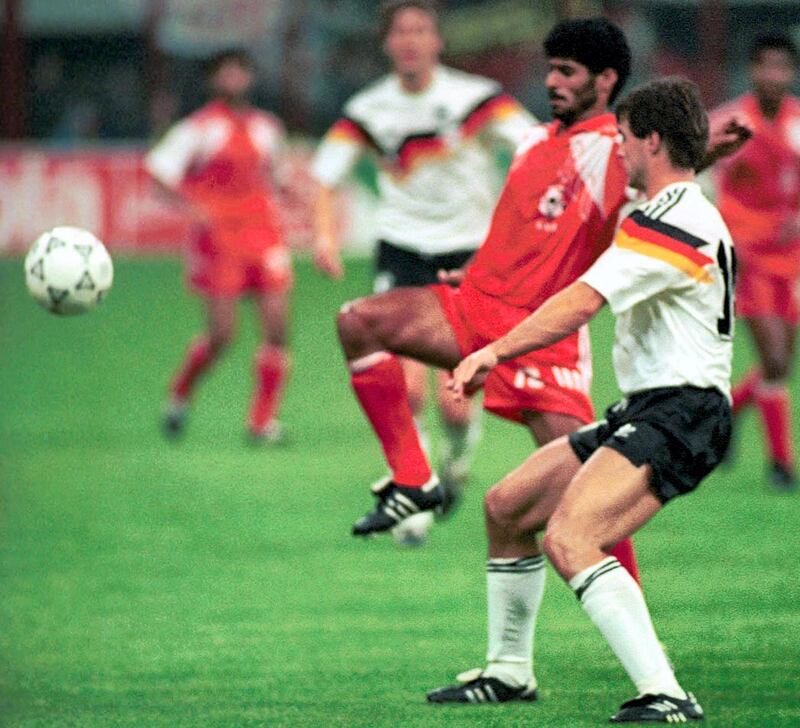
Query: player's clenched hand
{"points": [[469, 375], [728, 135], [451, 277], [328, 261]]}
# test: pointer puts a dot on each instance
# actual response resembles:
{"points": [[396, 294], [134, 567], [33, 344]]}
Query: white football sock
{"points": [[424, 436], [515, 590], [460, 442], [616, 605]]}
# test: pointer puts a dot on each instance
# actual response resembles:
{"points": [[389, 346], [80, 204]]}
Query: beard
{"points": [[585, 98]]}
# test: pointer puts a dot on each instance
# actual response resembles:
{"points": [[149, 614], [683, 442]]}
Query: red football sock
{"points": [[198, 358], [744, 391], [773, 403], [626, 556], [380, 387], [271, 364]]}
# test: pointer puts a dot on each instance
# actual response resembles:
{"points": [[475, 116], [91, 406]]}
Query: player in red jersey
{"points": [[759, 197], [557, 212], [217, 164]]}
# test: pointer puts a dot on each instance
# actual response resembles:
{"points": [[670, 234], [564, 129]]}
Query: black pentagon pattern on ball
{"points": [[84, 251], [85, 283], [100, 296], [57, 296], [37, 269], [53, 243]]}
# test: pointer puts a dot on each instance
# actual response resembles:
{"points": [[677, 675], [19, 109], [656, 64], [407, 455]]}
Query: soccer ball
{"points": [[68, 270], [413, 531]]}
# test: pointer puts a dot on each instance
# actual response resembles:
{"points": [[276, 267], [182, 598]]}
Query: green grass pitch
{"points": [[205, 583]]}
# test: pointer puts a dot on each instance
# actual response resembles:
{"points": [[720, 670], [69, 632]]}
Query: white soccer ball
{"points": [[413, 531], [68, 270]]}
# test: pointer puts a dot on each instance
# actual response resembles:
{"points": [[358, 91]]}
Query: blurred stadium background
{"points": [[205, 583]]}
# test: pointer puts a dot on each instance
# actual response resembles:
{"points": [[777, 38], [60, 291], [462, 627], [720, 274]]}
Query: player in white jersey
{"points": [[434, 132], [668, 279]]}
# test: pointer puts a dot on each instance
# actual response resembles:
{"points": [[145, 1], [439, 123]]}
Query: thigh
{"points": [[273, 310], [608, 500], [406, 321], [548, 426], [529, 494], [220, 317], [774, 340]]}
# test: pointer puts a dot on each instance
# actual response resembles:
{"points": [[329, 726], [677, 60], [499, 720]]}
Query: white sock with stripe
{"points": [[515, 590], [615, 603]]}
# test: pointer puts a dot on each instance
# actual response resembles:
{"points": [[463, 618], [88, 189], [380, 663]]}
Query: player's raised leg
{"points": [[374, 332], [609, 499], [775, 338], [203, 351]]}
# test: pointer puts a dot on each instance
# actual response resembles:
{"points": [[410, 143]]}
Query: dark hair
{"points": [[594, 42], [213, 63], [774, 41], [390, 8], [672, 107]]}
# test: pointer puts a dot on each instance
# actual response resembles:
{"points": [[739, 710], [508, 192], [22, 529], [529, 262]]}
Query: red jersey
{"points": [[759, 186], [556, 214], [221, 158]]}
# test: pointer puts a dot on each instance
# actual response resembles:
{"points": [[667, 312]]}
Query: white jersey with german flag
{"points": [[668, 277], [438, 180]]}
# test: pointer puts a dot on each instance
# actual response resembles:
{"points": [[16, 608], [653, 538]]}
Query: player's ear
{"points": [[653, 142], [605, 81]]}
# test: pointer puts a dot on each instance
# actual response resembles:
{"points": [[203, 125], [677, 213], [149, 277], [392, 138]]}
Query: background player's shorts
{"points": [[396, 267], [761, 295], [556, 379], [683, 432], [222, 273]]}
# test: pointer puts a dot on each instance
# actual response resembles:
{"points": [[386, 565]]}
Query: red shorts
{"points": [[555, 379], [761, 295], [221, 272]]}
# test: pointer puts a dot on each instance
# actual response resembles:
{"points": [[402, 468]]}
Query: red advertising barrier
{"points": [[107, 191]]}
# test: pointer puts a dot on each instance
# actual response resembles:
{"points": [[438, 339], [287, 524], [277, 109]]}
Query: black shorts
{"points": [[395, 267], [682, 432]]}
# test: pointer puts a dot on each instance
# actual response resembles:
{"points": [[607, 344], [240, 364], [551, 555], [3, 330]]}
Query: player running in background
{"points": [[668, 278], [759, 197], [434, 133], [217, 164]]}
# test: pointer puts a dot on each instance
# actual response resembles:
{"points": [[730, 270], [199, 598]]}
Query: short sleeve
{"points": [[170, 159], [338, 152], [648, 256], [625, 278], [510, 122]]}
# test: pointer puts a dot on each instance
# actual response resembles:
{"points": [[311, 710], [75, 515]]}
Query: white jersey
{"points": [[668, 277], [438, 179]]}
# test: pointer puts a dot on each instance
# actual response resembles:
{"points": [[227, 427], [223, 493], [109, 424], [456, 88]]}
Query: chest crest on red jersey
{"points": [[553, 202]]}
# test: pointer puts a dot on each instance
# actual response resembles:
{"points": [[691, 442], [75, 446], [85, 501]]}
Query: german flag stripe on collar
{"points": [[666, 243]]}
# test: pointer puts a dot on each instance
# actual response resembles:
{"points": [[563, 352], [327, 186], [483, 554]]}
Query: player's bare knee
{"points": [[220, 340], [501, 510], [563, 545], [775, 368]]}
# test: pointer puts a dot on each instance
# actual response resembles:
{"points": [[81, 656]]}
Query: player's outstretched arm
{"points": [[559, 316], [327, 256], [725, 137]]}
